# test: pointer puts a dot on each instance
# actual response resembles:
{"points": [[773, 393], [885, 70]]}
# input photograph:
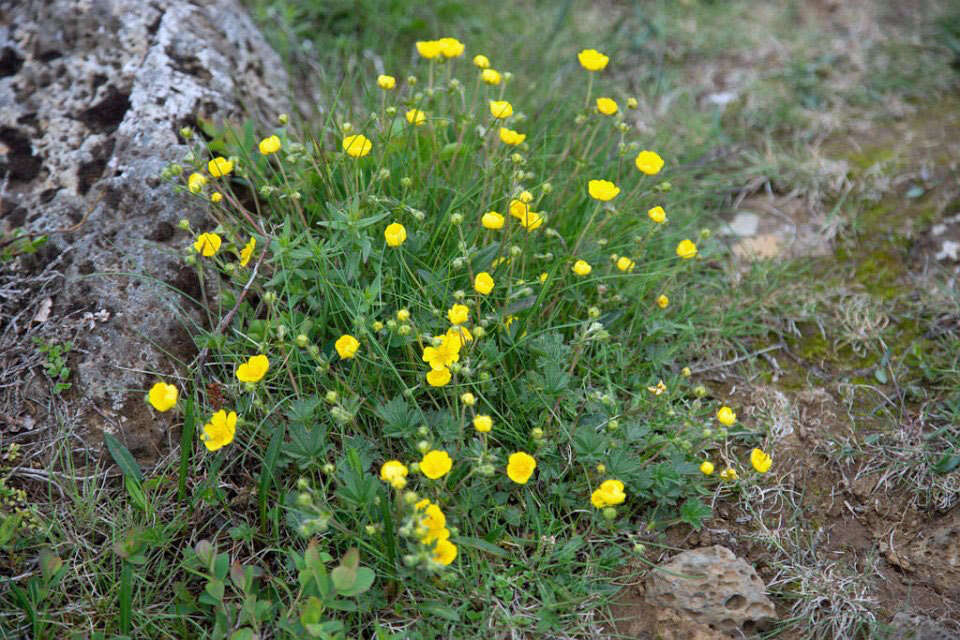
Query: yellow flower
{"points": [[445, 552], [394, 473], [416, 117], [663, 301], [501, 109], [649, 162], [219, 167], [429, 49], [606, 106], [726, 416], [525, 197], [490, 76], [658, 215], [435, 535], [386, 82], [543, 277], [659, 389], [207, 244], [403, 315], [518, 209], [435, 464], [438, 377], [163, 396], [602, 190], [609, 493], [625, 264], [686, 249], [492, 220], [531, 221], [582, 268], [520, 467], [270, 145], [483, 423], [729, 474], [450, 47], [592, 60], [458, 314], [433, 518], [247, 252], [481, 61], [468, 399], [346, 346], [483, 283], [632, 103], [195, 182], [253, 369], [508, 136], [357, 146], [706, 467], [216, 197], [220, 430], [761, 461], [443, 355], [460, 334], [395, 234]]}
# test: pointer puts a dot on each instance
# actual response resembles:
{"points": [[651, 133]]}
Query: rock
{"points": [[92, 95], [906, 626], [745, 223], [673, 625], [714, 588]]}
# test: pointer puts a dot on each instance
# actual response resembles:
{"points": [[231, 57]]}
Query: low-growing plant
{"points": [[447, 331]]}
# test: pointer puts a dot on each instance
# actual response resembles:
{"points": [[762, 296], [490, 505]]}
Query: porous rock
{"points": [[714, 588], [92, 96]]}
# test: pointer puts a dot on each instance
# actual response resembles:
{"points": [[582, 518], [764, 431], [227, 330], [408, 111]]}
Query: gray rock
{"points": [[92, 95], [713, 587]]}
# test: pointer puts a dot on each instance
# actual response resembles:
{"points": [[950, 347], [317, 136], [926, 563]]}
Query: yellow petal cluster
{"points": [[346, 346], [163, 396], [520, 467], [608, 494], [220, 431], [253, 369], [357, 145], [592, 60], [436, 464]]}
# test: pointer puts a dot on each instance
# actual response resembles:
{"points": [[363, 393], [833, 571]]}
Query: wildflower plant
{"points": [[416, 378]]}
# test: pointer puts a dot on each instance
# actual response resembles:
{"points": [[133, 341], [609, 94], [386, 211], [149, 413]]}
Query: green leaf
{"points": [[441, 610], [135, 491], [215, 589], [694, 512], [245, 633], [122, 456], [363, 580], [482, 545], [344, 578], [947, 463]]}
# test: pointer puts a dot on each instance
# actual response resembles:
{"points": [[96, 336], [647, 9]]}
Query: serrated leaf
{"points": [[122, 456], [694, 512]]}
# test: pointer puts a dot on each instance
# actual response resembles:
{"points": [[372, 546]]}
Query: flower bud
{"points": [[700, 391], [486, 470], [423, 446], [301, 340], [328, 468], [536, 433], [456, 218], [313, 350], [613, 425], [468, 399], [332, 397], [391, 111], [304, 499], [705, 233], [685, 372], [346, 127], [479, 332], [609, 513], [370, 529], [593, 312], [303, 484], [403, 330], [283, 119]]}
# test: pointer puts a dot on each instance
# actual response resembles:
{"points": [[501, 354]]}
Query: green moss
{"points": [[870, 157]]}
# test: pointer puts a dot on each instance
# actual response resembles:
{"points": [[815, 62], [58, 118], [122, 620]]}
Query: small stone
{"points": [[713, 587], [745, 223]]}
